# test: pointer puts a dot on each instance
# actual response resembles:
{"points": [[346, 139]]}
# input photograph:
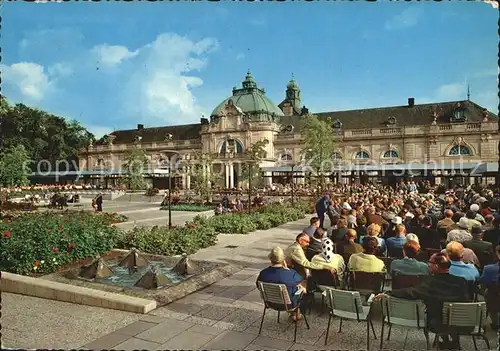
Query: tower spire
{"points": [[468, 92]]}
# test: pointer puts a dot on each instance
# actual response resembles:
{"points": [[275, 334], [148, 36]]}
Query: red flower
{"points": [[49, 230], [71, 246], [59, 227], [7, 234], [55, 249]]}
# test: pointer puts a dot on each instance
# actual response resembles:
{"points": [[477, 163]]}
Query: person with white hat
{"points": [[460, 234]]}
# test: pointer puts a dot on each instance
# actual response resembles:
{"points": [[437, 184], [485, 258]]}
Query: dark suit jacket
{"points": [[492, 236], [435, 290], [428, 238], [338, 234], [348, 248], [482, 249]]}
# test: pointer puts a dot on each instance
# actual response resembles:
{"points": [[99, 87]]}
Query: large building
{"points": [[448, 139]]}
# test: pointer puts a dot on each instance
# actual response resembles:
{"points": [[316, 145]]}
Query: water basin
{"points": [[123, 278]]}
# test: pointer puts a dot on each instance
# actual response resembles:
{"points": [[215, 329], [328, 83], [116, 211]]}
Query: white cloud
{"points": [[160, 88], [28, 77], [111, 55], [60, 69], [407, 18], [240, 56]]}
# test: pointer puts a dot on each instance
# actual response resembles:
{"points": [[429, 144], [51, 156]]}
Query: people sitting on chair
{"points": [[279, 273], [428, 237], [455, 252], [440, 287], [367, 261], [446, 222], [297, 259], [491, 281], [409, 265], [493, 235], [316, 242], [374, 232], [329, 259], [313, 225], [339, 233], [349, 245], [482, 249], [462, 233], [397, 241]]}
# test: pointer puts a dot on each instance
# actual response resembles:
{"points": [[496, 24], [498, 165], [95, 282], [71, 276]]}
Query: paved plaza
{"points": [[225, 315]]}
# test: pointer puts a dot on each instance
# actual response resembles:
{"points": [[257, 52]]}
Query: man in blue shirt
{"points": [[491, 281], [279, 273], [398, 241], [468, 271]]}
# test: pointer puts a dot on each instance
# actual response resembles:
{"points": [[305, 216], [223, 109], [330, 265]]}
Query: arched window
{"points": [[286, 157], [337, 156], [362, 155], [231, 145], [460, 150], [390, 154]]}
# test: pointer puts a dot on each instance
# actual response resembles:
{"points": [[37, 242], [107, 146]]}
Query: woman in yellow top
{"points": [[329, 259], [367, 261]]}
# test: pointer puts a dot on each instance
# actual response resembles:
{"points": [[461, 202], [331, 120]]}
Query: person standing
{"points": [[98, 202], [321, 207]]}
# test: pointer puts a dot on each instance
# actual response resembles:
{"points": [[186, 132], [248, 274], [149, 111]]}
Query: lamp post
{"points": [[293, 176], [249, 187], [169, 195]]}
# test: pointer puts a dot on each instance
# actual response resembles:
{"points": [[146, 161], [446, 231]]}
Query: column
{"points": [[184, 178], [188, 178], [231, 175], [227, 175]]}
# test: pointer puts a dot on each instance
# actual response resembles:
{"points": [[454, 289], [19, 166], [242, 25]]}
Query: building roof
{"points": [[156, 134], [252, 101], [351, 119], [404, 115]]}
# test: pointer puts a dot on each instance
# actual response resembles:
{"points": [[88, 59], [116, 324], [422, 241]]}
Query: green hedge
{"points": [[203, 231], [187, 207], [43, 242]]}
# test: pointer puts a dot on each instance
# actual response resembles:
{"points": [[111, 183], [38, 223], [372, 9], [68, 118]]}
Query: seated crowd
{"points": [[454, 246]]}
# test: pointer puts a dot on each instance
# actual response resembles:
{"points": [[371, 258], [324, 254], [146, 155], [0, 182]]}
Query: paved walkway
{"points": [[226, 315]]}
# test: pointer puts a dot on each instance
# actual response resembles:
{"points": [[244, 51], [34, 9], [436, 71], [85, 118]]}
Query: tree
{"points": [[135, 160], [319, 146], [44, 136], [14, 166], [202, 177], [251, 170]]}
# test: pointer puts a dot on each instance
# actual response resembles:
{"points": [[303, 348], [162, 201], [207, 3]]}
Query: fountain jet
{"points": [[134, 259], [185, 267], [97, 269], [152, 279]]}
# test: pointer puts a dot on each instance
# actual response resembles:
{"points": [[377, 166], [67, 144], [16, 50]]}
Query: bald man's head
{"points": [[448, 213]]}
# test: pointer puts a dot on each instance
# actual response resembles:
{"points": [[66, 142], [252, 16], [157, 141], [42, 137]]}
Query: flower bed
{"points": [[43, 242], [188, 207], [203, 231]]}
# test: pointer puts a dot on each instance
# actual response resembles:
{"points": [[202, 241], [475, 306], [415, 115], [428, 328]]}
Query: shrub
{"points": [[173, 241], [40, 243], [187, 207]]}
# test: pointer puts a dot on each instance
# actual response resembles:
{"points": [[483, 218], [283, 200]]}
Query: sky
{"points": [[113, 65]]}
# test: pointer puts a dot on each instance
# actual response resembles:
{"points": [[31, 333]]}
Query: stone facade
{"points": [[443, 133]]}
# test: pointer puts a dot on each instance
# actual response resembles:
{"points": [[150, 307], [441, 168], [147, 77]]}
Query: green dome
{"points": [[292, 84], [252, 101]]}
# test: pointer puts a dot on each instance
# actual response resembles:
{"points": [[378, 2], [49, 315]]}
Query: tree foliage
{"points": [[251, 170], [135, 160], [202, 181], [14, 166], [43, 135], [319, 145]]}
